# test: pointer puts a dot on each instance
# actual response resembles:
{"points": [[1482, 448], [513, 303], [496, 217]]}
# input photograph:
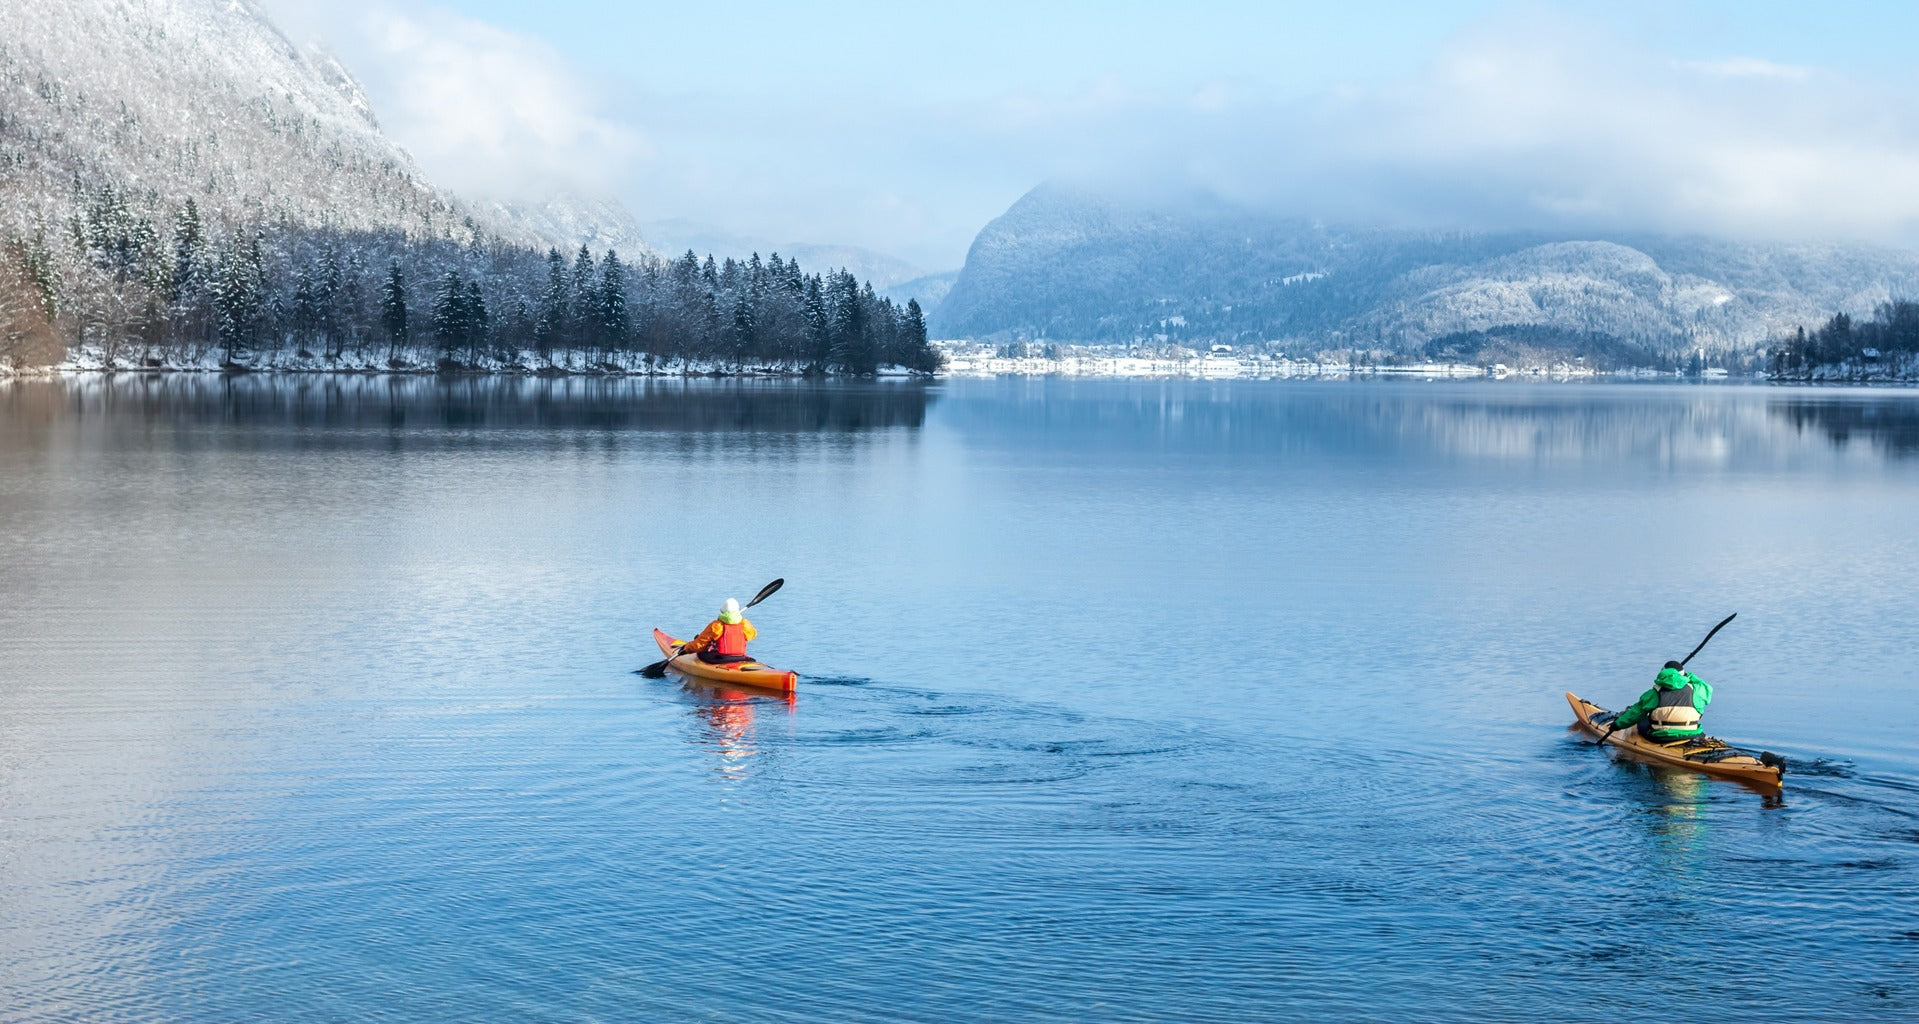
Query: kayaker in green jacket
{"points": [[1670, 710]]}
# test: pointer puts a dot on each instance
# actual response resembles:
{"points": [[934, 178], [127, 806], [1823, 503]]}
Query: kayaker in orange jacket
{"points": [[725, 638]]}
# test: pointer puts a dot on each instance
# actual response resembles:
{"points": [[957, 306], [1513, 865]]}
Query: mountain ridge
{"points": [[162, 101], [1071, 264]]}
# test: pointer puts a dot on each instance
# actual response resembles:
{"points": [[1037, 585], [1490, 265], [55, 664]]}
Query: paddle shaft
{"points": [[1709, 636], [1682, 664]]}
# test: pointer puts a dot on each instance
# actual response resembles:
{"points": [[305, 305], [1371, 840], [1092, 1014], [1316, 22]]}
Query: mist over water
{"points": [[1166, 700]]}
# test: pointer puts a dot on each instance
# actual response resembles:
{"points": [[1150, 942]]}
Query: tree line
{"points": [[1886, 346], [137, 290]]}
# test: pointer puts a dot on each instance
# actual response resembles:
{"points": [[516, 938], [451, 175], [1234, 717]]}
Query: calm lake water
{"points": [[1119, 701]]}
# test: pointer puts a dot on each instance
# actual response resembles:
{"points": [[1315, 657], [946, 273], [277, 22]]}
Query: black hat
{"points": [[1673, 664]]}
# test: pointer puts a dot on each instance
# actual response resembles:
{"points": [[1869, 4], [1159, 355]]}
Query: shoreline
{"points": [[402, 368], [962, 368]]}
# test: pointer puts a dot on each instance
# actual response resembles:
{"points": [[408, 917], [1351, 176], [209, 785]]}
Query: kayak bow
{"points": [[1701, 754], [739, 673]]}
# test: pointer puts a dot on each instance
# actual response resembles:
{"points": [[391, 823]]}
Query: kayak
{"points": [[1702, 753], [739, 673]]}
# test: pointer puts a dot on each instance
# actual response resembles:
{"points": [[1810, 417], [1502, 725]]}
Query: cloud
{"points": [[485, 111], [1747, 67], [1531, 119], [1528, 120]]}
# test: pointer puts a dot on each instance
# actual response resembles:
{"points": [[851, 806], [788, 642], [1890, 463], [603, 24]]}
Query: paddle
{"points": [[1709, 636], [1682, 665], [658, 668]]}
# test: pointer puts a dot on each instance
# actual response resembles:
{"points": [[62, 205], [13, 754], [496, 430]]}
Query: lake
{"points": [[1119, 700]]}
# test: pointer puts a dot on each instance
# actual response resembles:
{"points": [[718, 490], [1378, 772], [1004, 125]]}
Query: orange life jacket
{"points": [[732, 640]]}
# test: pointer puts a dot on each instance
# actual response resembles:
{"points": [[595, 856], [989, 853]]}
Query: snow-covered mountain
{"points": [[161, 101], [929, 291], [183, 188], [569, 221], [1074, 265]]}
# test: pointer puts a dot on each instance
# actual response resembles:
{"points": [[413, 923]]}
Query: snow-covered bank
{"points": [[521, 362]]}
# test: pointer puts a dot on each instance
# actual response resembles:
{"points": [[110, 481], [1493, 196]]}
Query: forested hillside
{"points": [[1072, 265], [1884, 347], [184, 187]]}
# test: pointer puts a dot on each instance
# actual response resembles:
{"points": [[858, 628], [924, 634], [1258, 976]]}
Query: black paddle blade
{"points": [[657, 670], [767, 591]]}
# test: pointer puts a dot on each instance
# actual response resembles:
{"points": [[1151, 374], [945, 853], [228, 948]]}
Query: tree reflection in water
{"points": [[376, 407], [1890, 423]]}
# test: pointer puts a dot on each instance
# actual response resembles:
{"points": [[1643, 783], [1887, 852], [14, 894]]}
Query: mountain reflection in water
{"points": [[1543, 427]]}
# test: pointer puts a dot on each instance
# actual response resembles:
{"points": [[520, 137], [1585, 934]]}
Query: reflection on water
{"points": [[339, 402], [1542, 425], [1677, 825], [1889, 423], [1158, 700], [1680, 848], [726, 718], [1545, 426]]}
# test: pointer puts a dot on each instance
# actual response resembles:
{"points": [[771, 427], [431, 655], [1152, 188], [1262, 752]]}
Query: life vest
{"points": [[732, 641], [1674, 713]]}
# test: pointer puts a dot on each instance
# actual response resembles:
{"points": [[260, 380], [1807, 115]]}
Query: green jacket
{"points": [[1668, 679]]}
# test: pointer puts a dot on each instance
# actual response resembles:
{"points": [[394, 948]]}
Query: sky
{"points": [[906, 128]]}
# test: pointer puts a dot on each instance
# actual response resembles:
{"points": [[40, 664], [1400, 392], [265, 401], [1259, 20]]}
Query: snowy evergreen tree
{"points": [[616, 326], [582, 323], [450, 315], [239, 295], [393, 315], [551, 317]]}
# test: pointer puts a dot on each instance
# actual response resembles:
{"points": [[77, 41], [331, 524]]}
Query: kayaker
{"points": [[1670, 710], [725, 638]]}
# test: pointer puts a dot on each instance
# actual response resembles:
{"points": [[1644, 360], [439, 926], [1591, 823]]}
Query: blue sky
{"points": [[904, 128], [957, 51]]}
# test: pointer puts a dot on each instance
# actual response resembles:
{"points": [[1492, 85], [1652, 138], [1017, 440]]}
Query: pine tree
{"points": [[327, 297], [191, 270], [450, 315], [474, 320], [615, 325], [920, 356], [550, 320], [852, 345], [306, 314], [393, 313], [819, 327], [239, 294], [745, 329], [350, 303], [581, 323]]}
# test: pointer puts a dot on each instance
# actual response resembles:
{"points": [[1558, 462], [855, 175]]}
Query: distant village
{"points": [[976, 359]]}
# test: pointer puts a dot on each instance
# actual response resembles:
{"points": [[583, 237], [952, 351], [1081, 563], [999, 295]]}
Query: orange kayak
{"points": [[1701, 754], [739, 673]]}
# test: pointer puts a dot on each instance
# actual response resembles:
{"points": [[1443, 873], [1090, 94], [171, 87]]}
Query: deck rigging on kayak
{"points": [[1704, 753]]}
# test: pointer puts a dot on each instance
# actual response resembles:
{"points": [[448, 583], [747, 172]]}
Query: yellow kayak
{"points": [[739, 673], [1702, 754]]}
